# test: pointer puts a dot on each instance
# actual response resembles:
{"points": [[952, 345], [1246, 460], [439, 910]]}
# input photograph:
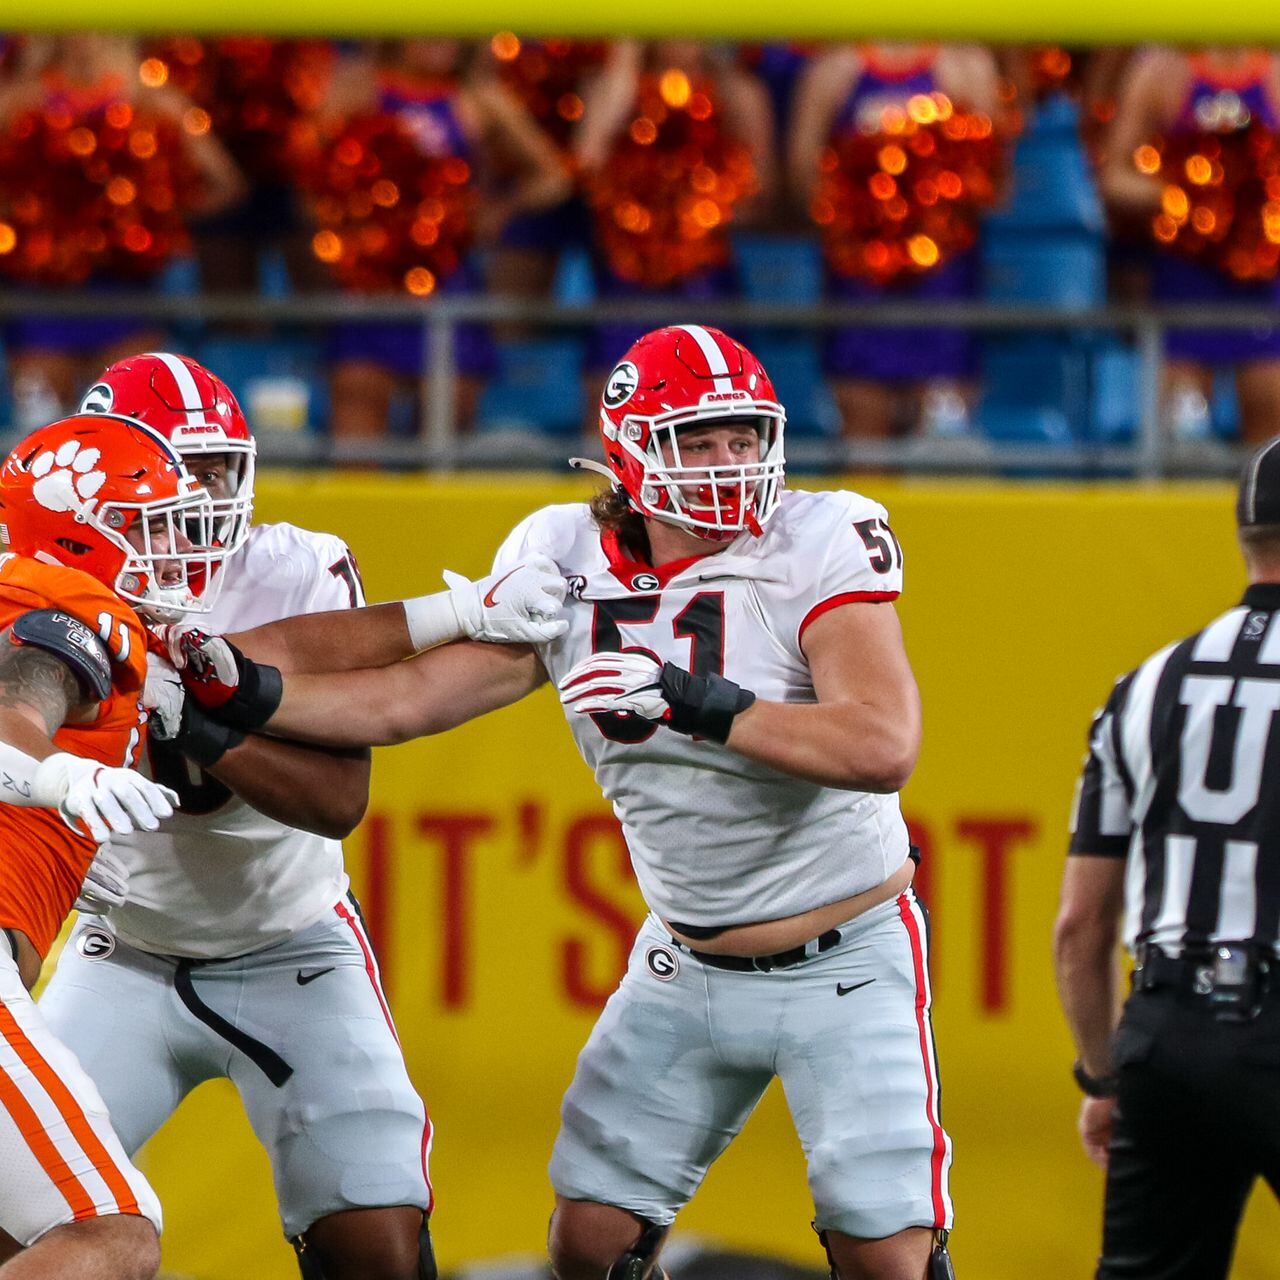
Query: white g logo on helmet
{"points": [[98, 399], [621, 385]]}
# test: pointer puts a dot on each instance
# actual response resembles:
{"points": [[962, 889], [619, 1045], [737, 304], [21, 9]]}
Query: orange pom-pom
{"points": [[256, 94], [1219, 204], [80, 194], [902, 198], [663, 200], [390, 217]]}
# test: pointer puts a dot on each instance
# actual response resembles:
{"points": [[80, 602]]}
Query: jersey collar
{"points": [[638, 575], [1262, 595]]}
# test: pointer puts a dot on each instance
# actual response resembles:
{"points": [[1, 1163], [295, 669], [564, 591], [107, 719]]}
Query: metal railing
{"points": [[1153, 452]]}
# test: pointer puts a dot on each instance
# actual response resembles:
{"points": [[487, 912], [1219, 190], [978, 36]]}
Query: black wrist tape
{"points": [[702, 705], [204, 739], [255, 699]]}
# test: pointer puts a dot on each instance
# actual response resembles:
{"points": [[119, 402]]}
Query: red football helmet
{"points": [[680, 377], [110, 497], [196, 412]]}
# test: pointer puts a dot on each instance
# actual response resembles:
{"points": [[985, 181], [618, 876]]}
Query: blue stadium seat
{"points": [[1065, 269], [179, 277], [538, 384], [273, 274], [796, 370], [1114, 392], [1224, 405], [1051, 186], [1025, 424], [574, 281], [1038, 380], [244, 362], [785, 269]]}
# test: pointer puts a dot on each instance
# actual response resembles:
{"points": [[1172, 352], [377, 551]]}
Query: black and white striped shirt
{"points": [[1183, 779]]}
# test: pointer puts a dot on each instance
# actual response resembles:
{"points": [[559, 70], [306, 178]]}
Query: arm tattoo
{"points": [[37, 681]]}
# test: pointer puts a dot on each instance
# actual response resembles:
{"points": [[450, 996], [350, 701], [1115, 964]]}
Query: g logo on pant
{"points": [[662, 963], [95, 944]]}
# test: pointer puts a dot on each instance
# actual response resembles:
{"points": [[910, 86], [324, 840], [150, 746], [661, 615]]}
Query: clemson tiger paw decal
{"points": [[65, 477]]}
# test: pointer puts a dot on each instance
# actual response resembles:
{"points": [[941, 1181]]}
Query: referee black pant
{"points": [[1197, 1121]]}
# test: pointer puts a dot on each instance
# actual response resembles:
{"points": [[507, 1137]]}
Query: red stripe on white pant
{"points": [[375, 978], [940, 1158]]}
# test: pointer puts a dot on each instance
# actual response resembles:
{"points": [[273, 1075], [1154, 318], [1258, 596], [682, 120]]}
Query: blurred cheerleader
{"points": [[89, 82], [883, 379], [1171, 98], [675, 146], [553, 79], [450, 116]]}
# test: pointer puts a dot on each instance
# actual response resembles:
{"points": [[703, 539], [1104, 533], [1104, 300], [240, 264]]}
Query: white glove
{"points": [[103, 798], [106, 883], [621, 682], [520, 606], [163, 695]]}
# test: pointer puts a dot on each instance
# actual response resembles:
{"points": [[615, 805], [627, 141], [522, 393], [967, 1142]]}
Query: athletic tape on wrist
{"points": [[432, 620]]}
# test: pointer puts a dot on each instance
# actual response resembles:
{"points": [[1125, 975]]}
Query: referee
{"points": [[1177, 831]]}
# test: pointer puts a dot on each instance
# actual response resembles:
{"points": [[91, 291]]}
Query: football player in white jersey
{"points": [[734, 672], [238, 949]]}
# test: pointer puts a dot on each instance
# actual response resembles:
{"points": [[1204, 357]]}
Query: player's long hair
{"points": [[612, 510]]}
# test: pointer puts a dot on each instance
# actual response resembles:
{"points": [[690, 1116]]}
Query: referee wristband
{"points": [[1095, 1086]]}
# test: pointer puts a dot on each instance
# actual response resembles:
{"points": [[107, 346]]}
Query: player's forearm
{"points": [[318, 789], [430, 693], [384, 634], [844, 745], [1086, 968], [343, 640]]}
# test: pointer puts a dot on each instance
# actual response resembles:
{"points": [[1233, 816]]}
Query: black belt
{"points": [[268, 1061], [764, 964], [1230, 977]]}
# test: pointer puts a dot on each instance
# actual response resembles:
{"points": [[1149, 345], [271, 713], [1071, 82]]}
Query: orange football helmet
{"points": [[109, 496]]}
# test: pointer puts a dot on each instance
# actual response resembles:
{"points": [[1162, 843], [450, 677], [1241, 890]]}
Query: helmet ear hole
{"points": [[76, 548]]}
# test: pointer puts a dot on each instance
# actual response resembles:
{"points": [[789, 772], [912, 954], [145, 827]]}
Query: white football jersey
{"points": [[717, 839], [221, 879]]}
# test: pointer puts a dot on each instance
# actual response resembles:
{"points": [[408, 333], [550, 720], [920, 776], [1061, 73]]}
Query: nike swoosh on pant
{"points": [[842, 990]]}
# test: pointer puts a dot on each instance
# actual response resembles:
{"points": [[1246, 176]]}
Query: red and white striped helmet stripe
{"points": [[717, 365], [193, 401]]}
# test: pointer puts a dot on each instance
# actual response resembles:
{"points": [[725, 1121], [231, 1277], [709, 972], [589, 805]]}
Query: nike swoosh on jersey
{"points": [[303, 979], [842, 990], [489, 601]]}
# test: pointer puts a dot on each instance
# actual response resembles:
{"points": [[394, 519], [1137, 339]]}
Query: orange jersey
{"points": [[42, 861]]}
